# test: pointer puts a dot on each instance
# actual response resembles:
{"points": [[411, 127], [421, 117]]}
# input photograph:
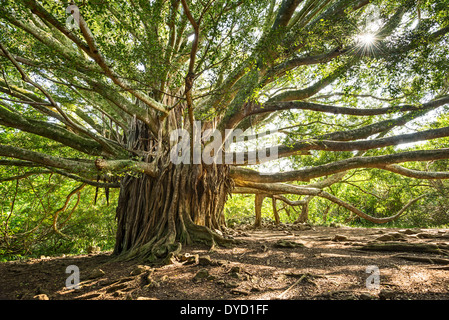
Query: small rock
{"points": [[339, 237], [145, 298], [41, 297], [239, 276], [385, 237], [202, 274], [391, 237], [237, 272], [288, 244], [187, 258]]}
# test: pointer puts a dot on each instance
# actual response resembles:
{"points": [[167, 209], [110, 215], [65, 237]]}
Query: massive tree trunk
{"points": [[183, 204]]}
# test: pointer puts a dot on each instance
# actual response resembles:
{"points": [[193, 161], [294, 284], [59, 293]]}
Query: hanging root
{"points": [[183, 206]]}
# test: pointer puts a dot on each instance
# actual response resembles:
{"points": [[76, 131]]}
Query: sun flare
{"points": [[367, 44], [367, 39]]}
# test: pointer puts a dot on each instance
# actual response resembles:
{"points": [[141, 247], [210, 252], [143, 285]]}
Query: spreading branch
{"points": [[307, 174], [292, 189]]}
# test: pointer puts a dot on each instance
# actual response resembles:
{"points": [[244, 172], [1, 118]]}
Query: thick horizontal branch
{"points": [[85, 168], [317, 185], [346, 135], [375, 128], [47, 160], [127, 165], [290, 202], [40, 11], [49, 130], [122, 104], [329, 145], [339, 166], [247, 190], [424, 175], [22, 60], [252, 109], [302, 105]]}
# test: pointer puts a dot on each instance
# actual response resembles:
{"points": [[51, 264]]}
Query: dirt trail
{"points": [[282, 262]]}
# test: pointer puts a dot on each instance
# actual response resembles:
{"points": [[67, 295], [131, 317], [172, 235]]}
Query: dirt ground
{"points": [[274, 262]]}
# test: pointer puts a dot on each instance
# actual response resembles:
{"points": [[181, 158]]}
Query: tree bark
{"points": [[183, 204], [275, 211], [258, 209], [155, 216], [304, 216]]}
